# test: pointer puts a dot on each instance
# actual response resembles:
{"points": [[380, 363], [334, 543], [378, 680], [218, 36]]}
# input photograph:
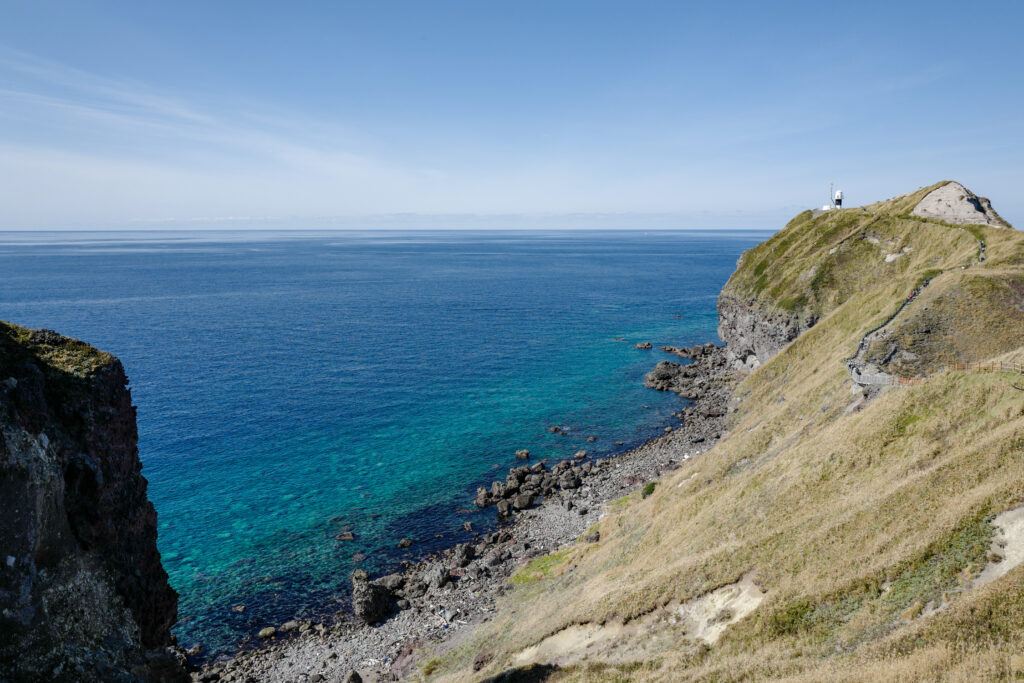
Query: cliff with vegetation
{"points": [[83, 595], [837, 531]]}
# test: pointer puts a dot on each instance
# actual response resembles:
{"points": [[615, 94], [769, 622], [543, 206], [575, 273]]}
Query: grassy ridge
{"points": [[67, 364], [857, 524]]}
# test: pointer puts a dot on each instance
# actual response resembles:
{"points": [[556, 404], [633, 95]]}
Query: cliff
{"points": [[834, 532], [819, 261], [83, 595]]}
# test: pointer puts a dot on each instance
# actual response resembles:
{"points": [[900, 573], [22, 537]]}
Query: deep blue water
{"points": [[292, 386]]}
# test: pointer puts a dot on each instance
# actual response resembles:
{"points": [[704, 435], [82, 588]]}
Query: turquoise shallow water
{"points": [[292, 386]]}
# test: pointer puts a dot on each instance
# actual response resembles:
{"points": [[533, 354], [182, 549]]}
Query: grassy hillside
{"points": [[821, 538]]}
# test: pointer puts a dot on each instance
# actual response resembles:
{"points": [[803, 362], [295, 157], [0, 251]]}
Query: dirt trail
{"points": [[865, 373]]}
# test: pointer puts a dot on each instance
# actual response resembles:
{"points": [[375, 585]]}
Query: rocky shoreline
{"points": [[541, 506]]}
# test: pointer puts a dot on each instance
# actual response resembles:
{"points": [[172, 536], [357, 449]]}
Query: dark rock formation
{"points": [[663, 376], [371, 602], [83, 595], [753, 332]]}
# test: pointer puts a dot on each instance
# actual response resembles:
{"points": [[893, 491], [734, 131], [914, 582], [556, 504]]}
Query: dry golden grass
{"points": [[859, 524]]}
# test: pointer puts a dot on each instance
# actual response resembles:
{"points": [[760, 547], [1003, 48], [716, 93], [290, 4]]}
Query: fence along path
{"points": [[975, 366]]}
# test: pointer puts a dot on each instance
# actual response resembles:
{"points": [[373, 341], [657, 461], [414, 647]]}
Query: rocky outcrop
{"points": [[954, 203], [83, 595], [371, 602], [754, 331]]}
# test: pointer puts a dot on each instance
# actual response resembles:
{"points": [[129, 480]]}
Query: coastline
{"points": [[439, 599]]}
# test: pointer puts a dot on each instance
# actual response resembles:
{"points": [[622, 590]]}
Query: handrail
{"points": [[970, 366]]}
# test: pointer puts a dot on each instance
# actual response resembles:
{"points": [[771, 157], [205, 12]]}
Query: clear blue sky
{"points": [[486, 113]]}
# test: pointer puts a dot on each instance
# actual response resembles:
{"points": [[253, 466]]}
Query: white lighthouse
{"points": [[837, 199]]}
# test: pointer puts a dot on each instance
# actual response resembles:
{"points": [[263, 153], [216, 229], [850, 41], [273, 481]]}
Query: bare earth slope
{"points": [[954, 203], [826, 536]]}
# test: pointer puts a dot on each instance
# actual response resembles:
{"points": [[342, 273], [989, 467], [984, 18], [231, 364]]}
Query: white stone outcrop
{"points": [[954, 203]]}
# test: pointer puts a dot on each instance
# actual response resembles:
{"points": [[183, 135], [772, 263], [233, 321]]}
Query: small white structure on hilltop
{"points": [[835, 199]]}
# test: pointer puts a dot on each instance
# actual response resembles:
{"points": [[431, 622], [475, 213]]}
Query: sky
{"points": [[129, 115]]}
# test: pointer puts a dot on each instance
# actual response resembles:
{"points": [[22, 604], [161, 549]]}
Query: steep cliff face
{"points": [[83, 595], [754, 333]]}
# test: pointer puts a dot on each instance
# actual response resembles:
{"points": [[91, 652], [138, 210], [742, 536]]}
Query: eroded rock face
{"points": [[83, 595], [954, 203], [371, 602], [752, 333]]}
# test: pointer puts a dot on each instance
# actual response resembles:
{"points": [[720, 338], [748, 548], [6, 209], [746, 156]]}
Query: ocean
{"points": [[295, 385]]}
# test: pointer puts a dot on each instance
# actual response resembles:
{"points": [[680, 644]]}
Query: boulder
{"points": [[569, 480], [462, 554], [511, 486], [523, 454], [436, 577], [523, 501], [663, 376], [392, 582], [482, 499], [370, 602], [415, 588]]}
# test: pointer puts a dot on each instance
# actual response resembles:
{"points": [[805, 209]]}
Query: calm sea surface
{"points": [[294, 386]]}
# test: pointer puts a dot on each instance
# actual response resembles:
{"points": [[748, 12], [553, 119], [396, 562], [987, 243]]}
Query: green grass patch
{"points": [[793, 303], [649, 489], [620, 503], [942, 568], [927, 276], [539, 568], [903, 423]]}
